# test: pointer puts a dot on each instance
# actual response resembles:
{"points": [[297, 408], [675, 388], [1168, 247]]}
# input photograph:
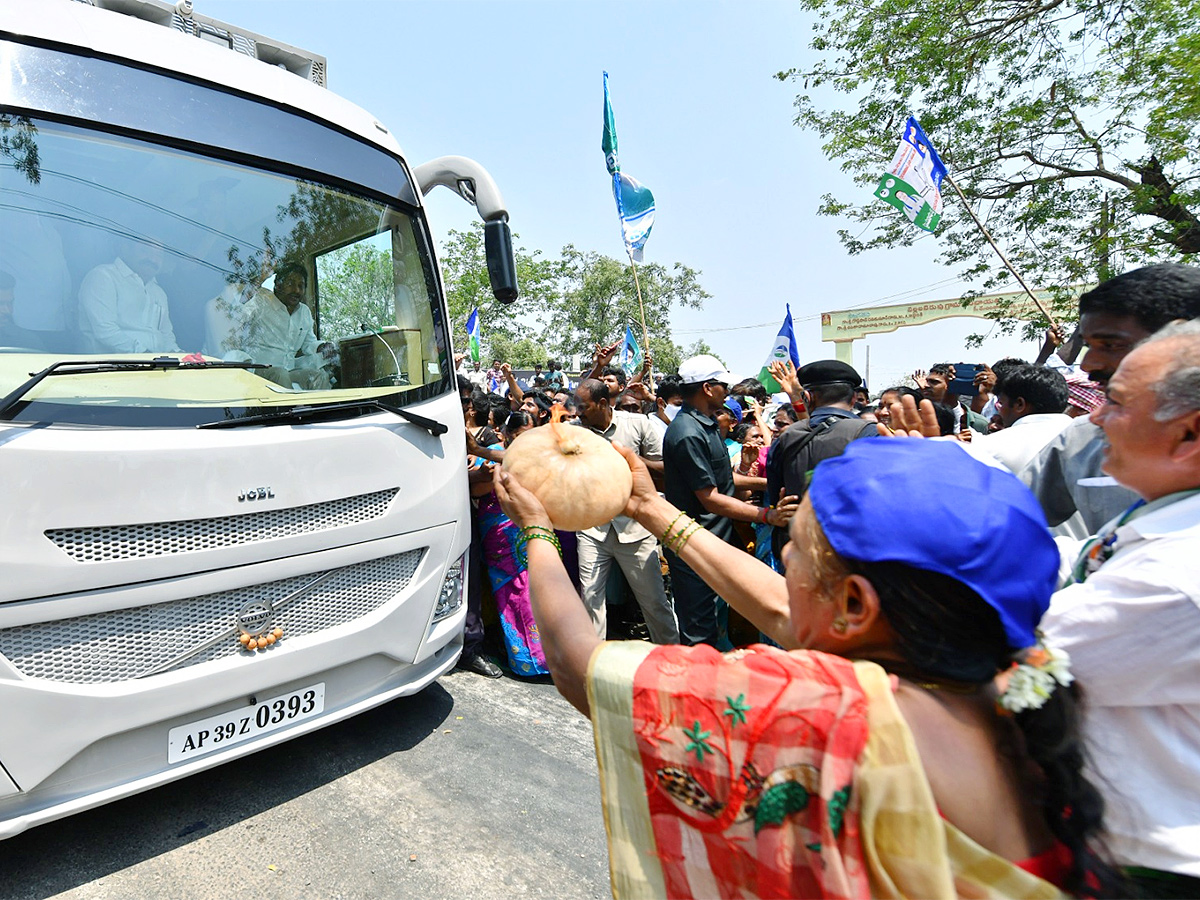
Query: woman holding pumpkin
{"points": [[914, 742]]}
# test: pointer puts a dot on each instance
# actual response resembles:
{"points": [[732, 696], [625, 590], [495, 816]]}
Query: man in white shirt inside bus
{"points": [[276, 328], [121, 306]]}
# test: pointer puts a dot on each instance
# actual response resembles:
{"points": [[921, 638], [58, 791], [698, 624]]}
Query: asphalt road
{"points": [[474, 788]]}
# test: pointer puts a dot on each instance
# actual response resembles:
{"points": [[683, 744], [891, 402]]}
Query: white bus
{"points": [[234, 504]]}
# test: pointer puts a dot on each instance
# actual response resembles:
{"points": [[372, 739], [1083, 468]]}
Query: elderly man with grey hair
{"points": [[1113, 317], [1129, 616]]}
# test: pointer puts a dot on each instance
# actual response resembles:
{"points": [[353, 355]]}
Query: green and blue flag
{"points": [[635, 203], [913, 180]]}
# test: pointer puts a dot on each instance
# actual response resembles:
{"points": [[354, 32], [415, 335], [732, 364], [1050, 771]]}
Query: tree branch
{"points": [[1163, 205], [1069, 171]]}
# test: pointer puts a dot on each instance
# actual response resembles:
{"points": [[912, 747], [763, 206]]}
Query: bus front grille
{"points": [[125, 644], [104, 543]]}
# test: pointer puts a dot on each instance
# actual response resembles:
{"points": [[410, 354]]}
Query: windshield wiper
{"points": [[93, 366], [293, 415]]}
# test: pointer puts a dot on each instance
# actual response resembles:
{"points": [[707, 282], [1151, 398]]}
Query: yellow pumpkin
{"points": [[576, 474]]}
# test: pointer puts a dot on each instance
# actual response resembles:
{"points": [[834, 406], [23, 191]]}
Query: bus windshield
{"points": [[115, 247]]}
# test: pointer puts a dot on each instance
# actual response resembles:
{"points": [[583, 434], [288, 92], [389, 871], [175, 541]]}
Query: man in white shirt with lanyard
{"points": [[1128, 613], [1129, 617], [1065, 475]]}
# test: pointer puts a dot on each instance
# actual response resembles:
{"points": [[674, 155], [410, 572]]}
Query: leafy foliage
{"points": [[509, 331], [313, 218], [568, 304], [1070, 125], [356, 289], [599, 298], [18, 141]]}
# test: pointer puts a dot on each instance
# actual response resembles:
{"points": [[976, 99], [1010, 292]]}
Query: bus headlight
{"points": [[450, 598]]}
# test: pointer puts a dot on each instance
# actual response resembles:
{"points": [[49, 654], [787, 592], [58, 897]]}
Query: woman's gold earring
{"points": [[839, 625]]}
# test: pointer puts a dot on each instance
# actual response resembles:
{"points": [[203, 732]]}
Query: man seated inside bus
{"points": [[121, 306], [275, 328]]}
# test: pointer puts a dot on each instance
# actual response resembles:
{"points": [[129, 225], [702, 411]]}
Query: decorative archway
{"points": [[846, 326]]}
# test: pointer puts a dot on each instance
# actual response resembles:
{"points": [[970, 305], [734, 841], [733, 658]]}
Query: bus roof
{"points": [[79, 24]]}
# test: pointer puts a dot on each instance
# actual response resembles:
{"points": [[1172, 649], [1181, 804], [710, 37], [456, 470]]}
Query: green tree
{"points": [[699, 348], [511, 331], [599, 299], [567, 305], [1070, 125], [18, 141], [357, 288]]}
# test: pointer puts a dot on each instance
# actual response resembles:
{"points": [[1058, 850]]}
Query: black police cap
{"points": [[828, 371]]}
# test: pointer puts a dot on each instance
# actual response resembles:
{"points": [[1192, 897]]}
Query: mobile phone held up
{"points": [[963, 383]]}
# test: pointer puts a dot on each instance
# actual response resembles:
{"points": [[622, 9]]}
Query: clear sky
{"points": [[700, 119]]}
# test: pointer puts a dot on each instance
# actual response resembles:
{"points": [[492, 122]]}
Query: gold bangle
{"points": [[682, 538], [685, 536], [549, 538]]}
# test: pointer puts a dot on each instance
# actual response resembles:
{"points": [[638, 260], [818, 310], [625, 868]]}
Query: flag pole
{"points": [[999, 252], [641, 306]]}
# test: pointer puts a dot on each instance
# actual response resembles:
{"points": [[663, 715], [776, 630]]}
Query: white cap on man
{"points": [[699, 369]]}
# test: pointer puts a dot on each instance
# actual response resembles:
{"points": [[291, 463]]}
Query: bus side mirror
{"points": [[501, 264]]}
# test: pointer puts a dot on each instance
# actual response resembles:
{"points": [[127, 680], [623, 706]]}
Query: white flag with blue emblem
{"points": [[635, 203], [783, 350]]}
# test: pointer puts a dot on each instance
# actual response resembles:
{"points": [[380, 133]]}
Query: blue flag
{"points": [[473, 334], [635, 203], [782, 350], [631, 353]]}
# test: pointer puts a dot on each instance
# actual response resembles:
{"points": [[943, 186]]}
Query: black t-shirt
{"points": [[694, 458]]}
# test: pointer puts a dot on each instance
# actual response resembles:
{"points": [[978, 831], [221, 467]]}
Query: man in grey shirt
{"points": [[633, 547], [1113, 317]]}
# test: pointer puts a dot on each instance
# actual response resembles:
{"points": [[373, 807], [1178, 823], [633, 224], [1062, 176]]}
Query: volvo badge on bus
{"points": [[254, 626]]}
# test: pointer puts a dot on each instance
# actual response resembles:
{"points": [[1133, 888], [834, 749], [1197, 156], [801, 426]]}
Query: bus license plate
{"points": [[189, 741]]}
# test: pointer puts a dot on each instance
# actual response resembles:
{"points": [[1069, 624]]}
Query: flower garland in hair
{"points": [[1029, 681]]}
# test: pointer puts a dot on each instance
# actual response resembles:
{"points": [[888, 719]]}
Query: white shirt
{"points": [[1021, 441], [120, 312], [266, 332], [477, 377], [1133, 632]]}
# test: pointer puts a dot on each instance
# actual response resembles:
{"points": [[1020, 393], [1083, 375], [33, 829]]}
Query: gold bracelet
{"points": [[685, 536], [667, 533]]}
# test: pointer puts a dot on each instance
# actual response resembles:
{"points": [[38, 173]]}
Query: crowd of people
{"points": [[976, 670]]}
